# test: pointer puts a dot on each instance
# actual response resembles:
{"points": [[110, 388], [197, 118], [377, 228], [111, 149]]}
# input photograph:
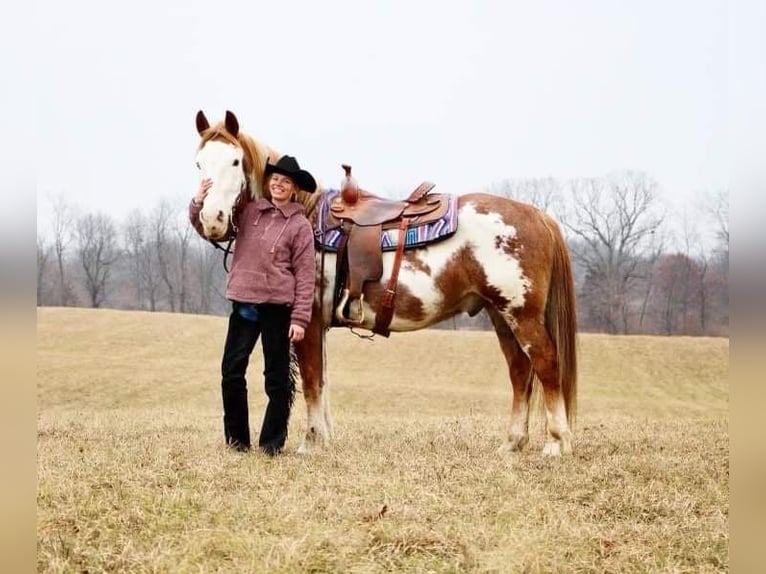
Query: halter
{"points": [[242, 198]]}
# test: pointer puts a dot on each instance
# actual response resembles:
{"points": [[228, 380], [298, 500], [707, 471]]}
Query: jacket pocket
{"points": [[249, 286]]}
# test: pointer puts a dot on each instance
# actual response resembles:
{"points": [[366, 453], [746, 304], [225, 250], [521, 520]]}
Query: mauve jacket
{"points": [[273, 259]]}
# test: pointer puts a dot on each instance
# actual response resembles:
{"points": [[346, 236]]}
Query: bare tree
{"points": [[140, 249], [678, 295], [97, 251], [717, 280], [63, 224], [184, 234], [616, 219], [43, 256], [160, 223], [695, 272], [703, 289], [647, 273], [718, 208], [206, 264], [134, 245]]}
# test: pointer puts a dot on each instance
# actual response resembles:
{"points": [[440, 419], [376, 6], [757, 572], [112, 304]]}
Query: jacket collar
{"points": [[288, 209]]}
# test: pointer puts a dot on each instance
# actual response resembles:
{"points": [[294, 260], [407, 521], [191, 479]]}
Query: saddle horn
{"points": [[349, 189]]}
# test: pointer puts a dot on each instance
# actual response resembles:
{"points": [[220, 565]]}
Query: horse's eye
{"points": [[198, 167], [235, 163]]}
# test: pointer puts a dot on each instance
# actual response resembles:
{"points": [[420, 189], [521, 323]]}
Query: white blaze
{"points": [[222, 163]]}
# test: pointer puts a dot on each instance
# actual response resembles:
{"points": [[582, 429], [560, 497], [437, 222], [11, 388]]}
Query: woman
{"points": [[271, 286]]}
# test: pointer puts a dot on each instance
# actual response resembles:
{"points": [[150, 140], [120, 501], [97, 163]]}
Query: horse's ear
{"points": [[232, 125], [202, 123]]}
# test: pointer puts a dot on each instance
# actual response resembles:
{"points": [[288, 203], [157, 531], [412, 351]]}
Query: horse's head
{"points": [[232, 161], [235, 162]]}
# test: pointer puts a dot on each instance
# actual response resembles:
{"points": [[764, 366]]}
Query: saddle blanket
{"points": [[329, 239]]}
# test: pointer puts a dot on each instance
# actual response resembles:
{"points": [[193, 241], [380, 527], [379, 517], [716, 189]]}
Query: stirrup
{"points": [[339, 309]]}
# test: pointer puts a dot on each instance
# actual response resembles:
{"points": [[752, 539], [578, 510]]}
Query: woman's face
{"points": [[281, 188]]}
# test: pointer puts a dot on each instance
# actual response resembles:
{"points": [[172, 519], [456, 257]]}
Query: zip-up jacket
{"points": [[273, 259]]}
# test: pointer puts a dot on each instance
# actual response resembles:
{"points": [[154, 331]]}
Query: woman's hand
{"points": [[204, 187], [296, 333]]}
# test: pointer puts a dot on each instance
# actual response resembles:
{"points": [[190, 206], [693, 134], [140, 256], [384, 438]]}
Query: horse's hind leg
{"points": [[313, 368], [520, 372], [536, 342]]}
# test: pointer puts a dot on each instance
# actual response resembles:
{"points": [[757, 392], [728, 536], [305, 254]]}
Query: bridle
{"points": [[226, 252], [242, 198]]}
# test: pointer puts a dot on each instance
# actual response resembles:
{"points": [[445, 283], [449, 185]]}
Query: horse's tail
{"points": [[294, 374], [561, 319]]}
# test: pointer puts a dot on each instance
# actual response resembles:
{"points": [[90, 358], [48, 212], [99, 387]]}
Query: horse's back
{"points": [[532, 227]]}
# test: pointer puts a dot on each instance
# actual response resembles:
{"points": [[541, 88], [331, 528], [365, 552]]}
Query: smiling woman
{"points": [[271, 282]]}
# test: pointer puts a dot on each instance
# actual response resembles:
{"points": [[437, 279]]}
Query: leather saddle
{"points": [[363, 216]]}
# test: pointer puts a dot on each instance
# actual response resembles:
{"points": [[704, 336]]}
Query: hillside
{"points": [[119, 359]]}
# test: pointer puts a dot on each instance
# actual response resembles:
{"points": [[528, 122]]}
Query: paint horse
{"points": [[505, 257]]}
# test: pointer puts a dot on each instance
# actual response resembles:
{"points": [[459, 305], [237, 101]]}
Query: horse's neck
{"points": [[263, 155], [267, 154], [311, 203]]}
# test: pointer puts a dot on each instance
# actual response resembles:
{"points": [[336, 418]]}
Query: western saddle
{"points": [[362, 218]]}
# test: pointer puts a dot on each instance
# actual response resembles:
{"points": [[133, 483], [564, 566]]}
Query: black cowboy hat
{"points": [[287, 165]]}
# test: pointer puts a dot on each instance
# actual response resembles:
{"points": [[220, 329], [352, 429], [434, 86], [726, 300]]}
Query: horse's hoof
{"points": [[310, 447], [552, 448], [505, 451], [518, 442], [514, 445]]}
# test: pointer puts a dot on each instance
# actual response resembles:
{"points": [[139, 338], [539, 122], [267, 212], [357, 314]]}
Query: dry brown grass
{"points": [[132, 475]]}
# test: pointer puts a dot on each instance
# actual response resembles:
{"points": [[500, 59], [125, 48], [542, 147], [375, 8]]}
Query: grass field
{"points": [[133, 477]]}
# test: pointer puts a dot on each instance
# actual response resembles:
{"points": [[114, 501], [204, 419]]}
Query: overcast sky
{"points": [[460, 93]]}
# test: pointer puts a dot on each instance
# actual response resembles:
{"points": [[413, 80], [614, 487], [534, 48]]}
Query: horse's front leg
{"points": [[311, 360]]}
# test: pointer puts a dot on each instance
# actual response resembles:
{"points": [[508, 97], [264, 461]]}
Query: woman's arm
{"points": [[195, 206], [305, 275]]}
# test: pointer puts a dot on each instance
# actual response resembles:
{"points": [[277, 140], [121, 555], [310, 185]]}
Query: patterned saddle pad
{"points": [[329, 239]]}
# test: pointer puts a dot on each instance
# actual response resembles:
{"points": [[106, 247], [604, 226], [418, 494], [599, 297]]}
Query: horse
{"points": [[505, 257]]}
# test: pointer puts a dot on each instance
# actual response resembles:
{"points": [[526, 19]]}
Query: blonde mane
{"points": [[310, 202]]}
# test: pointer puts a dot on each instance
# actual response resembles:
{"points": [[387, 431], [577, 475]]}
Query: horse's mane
{"points": [[255, 155], [310, 201]]}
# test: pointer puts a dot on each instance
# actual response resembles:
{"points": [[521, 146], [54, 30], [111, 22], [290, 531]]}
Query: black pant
{"points": [[274, 325]]}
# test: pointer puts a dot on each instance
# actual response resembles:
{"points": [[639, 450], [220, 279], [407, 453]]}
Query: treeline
{"points": [[638, 268], [152, 261]]}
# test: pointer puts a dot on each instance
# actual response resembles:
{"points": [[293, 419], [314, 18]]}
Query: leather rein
{"points": [[242, 198]]}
